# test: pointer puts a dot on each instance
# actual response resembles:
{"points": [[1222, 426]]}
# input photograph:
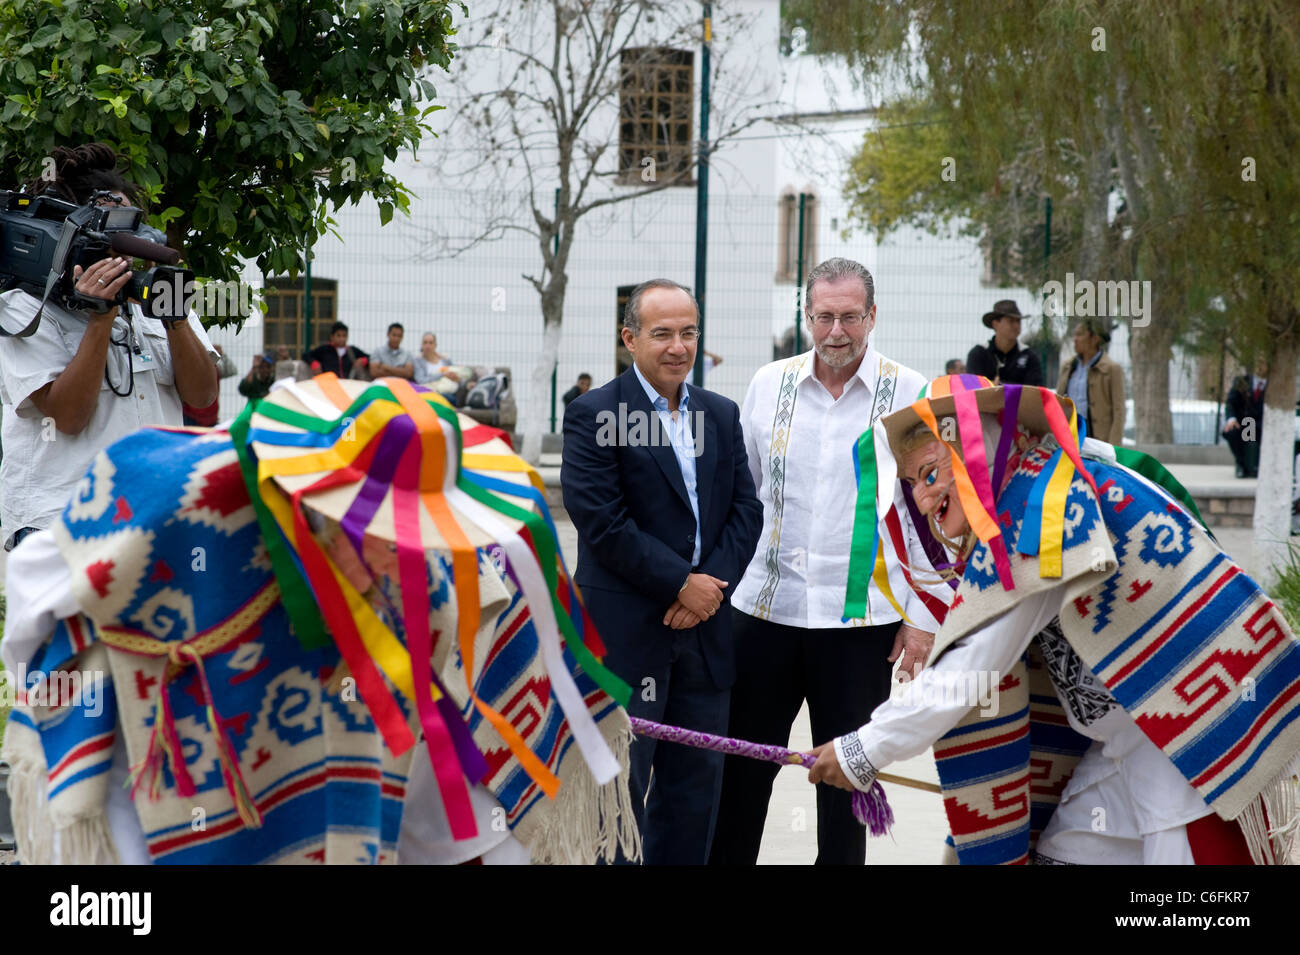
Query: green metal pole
{"points": [[798, 277], [702, 194], [306, 303], [555, 368]]}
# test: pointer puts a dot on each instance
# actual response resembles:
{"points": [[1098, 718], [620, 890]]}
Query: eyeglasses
{"points": [[848, 321], [663, 335]]}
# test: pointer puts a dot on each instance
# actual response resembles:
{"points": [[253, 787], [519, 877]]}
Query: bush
{"points": [[1286, 592]]}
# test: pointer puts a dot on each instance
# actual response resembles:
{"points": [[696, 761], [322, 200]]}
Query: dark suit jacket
{"points": [[1241, 403], [636, 532]]}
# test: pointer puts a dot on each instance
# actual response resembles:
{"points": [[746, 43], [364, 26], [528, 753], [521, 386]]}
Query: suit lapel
{"points": [[707, 458], [636, 400]]}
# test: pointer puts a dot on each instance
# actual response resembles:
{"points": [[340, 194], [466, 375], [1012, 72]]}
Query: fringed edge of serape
{"points": [[33, 830], [576, 834], [83, 840], [1278, 803]]}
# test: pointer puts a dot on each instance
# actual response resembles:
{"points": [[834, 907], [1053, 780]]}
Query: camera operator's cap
{"points": [[1005, 308]]}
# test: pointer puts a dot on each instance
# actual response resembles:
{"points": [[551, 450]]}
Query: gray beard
{"points": [[834, 362]]}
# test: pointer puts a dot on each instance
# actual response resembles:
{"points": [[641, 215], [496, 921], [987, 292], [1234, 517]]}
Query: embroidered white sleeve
{"points": [[853, 761], [966, 676]]}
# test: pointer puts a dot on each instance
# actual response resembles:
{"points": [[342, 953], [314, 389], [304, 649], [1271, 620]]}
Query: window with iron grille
{"points": [[284, 312], [787, 265], [656, 115]]}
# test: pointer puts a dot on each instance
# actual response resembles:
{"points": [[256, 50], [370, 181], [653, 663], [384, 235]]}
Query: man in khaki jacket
{"points": [[1094, 382]]}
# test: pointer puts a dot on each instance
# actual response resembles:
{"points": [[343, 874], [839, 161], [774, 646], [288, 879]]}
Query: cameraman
{"points": [[86, 379]]}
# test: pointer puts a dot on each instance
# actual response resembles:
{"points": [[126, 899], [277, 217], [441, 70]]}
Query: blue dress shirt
{"points": [[683, 445], [1077, 389]]}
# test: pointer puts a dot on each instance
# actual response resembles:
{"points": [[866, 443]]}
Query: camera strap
{"points": [[30, 330]]}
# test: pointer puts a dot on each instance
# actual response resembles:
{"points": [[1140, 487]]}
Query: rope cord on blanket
{"points": [[164, 742], [869, 808], [405, 440]]}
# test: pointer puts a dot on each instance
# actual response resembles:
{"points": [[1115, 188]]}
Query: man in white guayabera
{"points": [[802, 418]]}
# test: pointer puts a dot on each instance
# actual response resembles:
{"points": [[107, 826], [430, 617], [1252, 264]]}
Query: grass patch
{"points": [[1286, 591]]}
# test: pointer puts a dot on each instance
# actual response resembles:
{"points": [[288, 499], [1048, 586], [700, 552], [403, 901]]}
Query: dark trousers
{"points": [[1246, 453], [675, 788], [844, 674]]}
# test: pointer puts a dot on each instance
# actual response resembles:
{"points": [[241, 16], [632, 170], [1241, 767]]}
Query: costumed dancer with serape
{"points": [[1149, 690], [341, 631]]}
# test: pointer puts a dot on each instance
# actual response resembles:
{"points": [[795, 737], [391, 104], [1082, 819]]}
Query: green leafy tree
{"points": [[910, 171], [1183, 114], [246, 121], [1029, 111]]}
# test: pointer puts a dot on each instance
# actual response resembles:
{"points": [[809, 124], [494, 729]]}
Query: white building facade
{"points": [[484, 311]]}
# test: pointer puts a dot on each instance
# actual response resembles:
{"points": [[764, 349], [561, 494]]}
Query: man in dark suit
{"points": [[657, 484], [1244, 405]]}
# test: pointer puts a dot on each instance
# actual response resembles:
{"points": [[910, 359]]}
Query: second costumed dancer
{"points": [[1149, 690]]}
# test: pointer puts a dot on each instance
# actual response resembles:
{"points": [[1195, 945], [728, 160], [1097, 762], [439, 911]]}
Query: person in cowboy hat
{"points": [[1146, 687], [1002, 360]]}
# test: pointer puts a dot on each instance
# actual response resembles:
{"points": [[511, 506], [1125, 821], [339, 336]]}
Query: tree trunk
{"points": [[1276, 461], [535, 412], [1096, 195], [1150, 351]]}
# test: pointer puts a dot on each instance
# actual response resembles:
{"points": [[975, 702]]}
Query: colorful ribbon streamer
{"points": [[403, 441]]}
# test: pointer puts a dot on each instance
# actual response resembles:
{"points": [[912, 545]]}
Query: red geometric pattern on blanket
{"points": [[1208, 676], [214, 494], [1139, 588], [1013, 795], [524, 711], [100, 575], [123, 512], [595, 700], [980, 775], [1041, 781]]}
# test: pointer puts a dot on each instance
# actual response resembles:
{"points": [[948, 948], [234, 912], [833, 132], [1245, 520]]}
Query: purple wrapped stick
{"points": [[870, 808]]}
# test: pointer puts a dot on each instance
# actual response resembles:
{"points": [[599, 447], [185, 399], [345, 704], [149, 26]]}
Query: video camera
{"points": [[42, 238]]}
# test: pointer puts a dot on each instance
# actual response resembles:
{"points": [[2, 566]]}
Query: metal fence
{"points": [[930, 291]]}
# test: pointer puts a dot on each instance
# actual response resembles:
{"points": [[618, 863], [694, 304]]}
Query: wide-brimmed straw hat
{"points": [[289, 442], [384, 485]]}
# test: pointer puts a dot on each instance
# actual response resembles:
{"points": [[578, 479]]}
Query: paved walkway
{"points": [[1219, 480]]}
